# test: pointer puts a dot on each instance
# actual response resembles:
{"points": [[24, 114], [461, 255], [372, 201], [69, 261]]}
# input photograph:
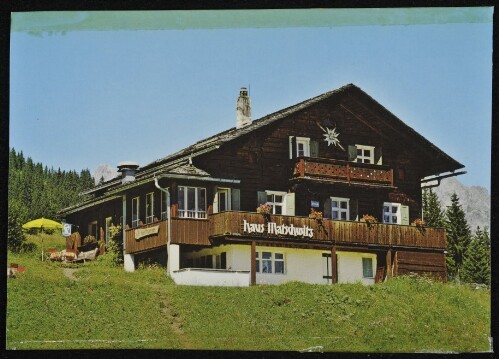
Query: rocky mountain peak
{"points": [[475, 201]]}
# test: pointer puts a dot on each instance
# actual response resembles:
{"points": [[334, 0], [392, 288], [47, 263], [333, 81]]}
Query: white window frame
{"points": [[228, 199], [135, 211], [273, 204], [360, 158], [259, 260], [196, 213], [390, 214], [339, 209], [149, 210], [164, 206], [305, 141]]}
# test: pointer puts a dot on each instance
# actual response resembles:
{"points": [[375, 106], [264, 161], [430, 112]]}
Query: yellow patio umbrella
{"points": [[42, 224]]}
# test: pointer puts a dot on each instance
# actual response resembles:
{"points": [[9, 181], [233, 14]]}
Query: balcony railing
{"points": [[155, 235], [343, 171], [280, 228], [341, 232]]}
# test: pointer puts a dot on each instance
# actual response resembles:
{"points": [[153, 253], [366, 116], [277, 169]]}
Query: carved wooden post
{"points": [[302, 167], [253, 263], [389, 264], [334, 265]]}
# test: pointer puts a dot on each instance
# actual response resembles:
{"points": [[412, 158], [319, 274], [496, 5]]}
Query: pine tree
{"points": [[15, 234], [433, 214], [476, 264], [458, 237]]}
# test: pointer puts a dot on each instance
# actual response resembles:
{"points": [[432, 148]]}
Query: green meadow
{"points": [[95, 305]]}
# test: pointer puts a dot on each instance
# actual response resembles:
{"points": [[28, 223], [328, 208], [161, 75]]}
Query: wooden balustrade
{"points": [[184, 231], [343, 171], [342, 232], [231, 224], [147, 242]]}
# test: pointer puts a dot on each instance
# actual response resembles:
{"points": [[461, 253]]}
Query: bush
{"points": [[28, 247], [115, 247]]}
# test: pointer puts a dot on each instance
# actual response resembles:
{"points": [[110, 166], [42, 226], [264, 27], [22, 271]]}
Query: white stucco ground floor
{"points": [[230, 264]]}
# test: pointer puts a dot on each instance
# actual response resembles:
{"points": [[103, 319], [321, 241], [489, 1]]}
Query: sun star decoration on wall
{"points": [[331, 137]]}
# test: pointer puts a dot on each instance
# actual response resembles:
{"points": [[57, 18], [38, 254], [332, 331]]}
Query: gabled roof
{"points": [[176, 162]]}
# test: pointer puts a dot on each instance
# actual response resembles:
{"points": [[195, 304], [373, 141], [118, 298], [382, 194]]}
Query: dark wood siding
{"points": [[407, 262]]}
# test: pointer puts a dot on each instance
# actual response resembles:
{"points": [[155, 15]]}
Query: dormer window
{"points": [[365, 154]]}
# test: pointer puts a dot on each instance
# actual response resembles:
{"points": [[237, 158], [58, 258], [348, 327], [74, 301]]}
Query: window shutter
{"points": [[352, 152], [292, 147], [327, 208], [378, 156], [314, 148], [262, 197], [290, 204], [215, 200], [235, 199], [404, 214]]}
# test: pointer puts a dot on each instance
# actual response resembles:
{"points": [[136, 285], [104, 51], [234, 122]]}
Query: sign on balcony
{"points": [[144, 232], [279, 230]]}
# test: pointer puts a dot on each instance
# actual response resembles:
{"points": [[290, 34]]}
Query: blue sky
{"points": [[85, 96]]}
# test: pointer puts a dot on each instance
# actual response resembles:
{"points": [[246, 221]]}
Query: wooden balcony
{"points": [[342, 232], [155, 235], [231, 224], [343, 171]]}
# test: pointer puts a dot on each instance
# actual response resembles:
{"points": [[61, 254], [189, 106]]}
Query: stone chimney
{"points": [[128, 170], [243, 110]]}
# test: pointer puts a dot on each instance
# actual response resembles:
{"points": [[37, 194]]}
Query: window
{"points": [[302, 147], [217, 262], [92, 229], [391, 213], [269, 262], [209, 261], [222, 200], [279, 263], [135, 212], [164, 206], [191, 202], [365, 154], [276, 201], [367, 267], [266, 262], [149, 207], [340, 208]]}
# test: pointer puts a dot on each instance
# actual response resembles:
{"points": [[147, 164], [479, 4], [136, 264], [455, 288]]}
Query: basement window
{"points": [[367, 268]]}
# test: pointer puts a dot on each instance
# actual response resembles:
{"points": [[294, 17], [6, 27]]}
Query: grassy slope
{"points": [[108, 308]]}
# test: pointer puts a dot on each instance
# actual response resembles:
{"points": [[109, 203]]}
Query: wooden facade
{"points": [[373, 162]]}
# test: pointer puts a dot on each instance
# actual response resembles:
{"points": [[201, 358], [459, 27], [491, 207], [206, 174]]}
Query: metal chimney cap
{"points": [[127, 165]]}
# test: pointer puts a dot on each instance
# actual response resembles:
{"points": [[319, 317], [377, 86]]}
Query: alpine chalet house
{"points": [[325, 191]]}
